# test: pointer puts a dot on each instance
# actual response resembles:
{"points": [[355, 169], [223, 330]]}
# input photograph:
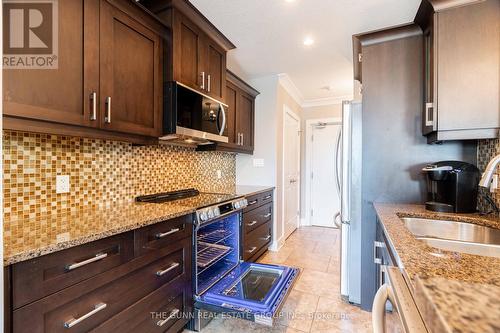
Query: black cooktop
{"points": [[168, 196]]}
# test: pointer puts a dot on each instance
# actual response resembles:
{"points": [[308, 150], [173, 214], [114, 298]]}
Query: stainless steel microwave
{"points": [[192, 117]]}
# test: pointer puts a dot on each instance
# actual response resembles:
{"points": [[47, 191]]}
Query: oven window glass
{"points": [[254, 285]]}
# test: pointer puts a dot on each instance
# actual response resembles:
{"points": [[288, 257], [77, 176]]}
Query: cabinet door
{"points": [[245, 121], [231, 100], [130, 74], [187, 49], [468, 67], [61, 95], [215, 65], [429, 114]]}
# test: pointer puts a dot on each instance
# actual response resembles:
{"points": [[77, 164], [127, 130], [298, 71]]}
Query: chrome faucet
{"points": [[489, 172]]}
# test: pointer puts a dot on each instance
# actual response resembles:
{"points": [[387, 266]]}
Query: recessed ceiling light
{"points": [[308, 41]]}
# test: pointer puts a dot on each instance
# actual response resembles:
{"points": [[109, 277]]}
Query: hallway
{"points": [[314, 305]]}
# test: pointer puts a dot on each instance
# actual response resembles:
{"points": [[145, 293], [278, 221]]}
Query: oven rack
{"points": [[215, 236], [210, 253]]}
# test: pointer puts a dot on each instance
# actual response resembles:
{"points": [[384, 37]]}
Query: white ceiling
{"points": [[269, 37]]}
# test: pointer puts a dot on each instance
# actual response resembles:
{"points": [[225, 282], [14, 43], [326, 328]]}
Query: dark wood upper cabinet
{"points": [[245, 119], [198, 50], [461, 69], [109, 80], [216, 70], [231, 100], [187, 47], [64, 94], [131, 78]]}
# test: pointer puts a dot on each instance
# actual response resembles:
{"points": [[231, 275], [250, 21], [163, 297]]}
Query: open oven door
{"points": [[250, 291]]}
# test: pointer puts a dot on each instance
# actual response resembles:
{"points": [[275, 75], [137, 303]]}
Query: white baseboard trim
{"points": [[277, 244], [304, 222]]}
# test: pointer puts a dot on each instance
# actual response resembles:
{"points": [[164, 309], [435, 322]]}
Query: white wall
{"points": [[268, 145], [265, 145]]}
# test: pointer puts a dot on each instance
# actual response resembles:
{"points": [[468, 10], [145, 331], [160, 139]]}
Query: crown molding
{"points": [[308, 103], [286, 82]]}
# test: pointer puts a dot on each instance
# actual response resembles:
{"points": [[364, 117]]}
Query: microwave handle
{"points": [[223, 119]]}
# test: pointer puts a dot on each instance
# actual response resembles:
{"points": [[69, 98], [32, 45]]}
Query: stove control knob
{"points": [[203, 216], [216, 211], [237, 205], [244, 203], [210, 213]]}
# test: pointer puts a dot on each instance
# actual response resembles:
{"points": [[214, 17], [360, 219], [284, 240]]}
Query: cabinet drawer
{"points": [[256, 240], [162, 234], [165, 310], [51, 273], [257, 217], [87, 305], [257, 200]]}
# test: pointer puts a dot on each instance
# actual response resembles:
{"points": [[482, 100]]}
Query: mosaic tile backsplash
{"points": [[487, 149], [101, 172]]}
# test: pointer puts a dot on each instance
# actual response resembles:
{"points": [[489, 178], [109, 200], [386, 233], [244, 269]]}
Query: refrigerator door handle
{"points": [[346, 162], [337, 164]]}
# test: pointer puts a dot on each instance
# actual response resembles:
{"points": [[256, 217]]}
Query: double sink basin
{"points": [[456, 236]]}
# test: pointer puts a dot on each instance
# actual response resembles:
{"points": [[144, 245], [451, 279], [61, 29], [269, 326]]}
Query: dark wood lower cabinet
{"points": [[150, 292], [257, 226]]}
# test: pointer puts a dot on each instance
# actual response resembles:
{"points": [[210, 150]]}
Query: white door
{"points": [[325, 193], [291, 171]]}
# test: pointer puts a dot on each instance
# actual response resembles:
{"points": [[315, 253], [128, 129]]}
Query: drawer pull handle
{"points": [[161, 273], [72, 322], [171, 316], [252, 202], [268, 197], [165, 234], [97, 257], [252, 223], [267, 238], [252, 250], [267, 215]]}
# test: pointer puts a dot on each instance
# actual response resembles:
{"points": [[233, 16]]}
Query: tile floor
{"points": [[314, 304]]}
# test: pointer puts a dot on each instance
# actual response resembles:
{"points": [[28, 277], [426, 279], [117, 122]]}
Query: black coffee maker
{"points": [[452, 187]]}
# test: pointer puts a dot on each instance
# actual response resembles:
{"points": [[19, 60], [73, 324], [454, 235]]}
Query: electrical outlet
{"points": [[62, 184], [258, 162], [219, 174]]}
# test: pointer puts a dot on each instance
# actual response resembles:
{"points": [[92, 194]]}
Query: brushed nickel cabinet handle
{"points": [[202, 80], [165, 234], [267, 215], [252, 202], [252, 223], [171, 316], [209, 82], [267, 238], [165, 271], [252, 250], [93, 101], [268, 197], [97, 257], [74, 321], [242, 139], [107, 117]]}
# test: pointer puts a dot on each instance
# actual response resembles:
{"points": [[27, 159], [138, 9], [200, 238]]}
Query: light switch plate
{"points": [[62, 184], [258, 162]]}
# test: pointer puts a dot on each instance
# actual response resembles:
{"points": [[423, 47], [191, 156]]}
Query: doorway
{"points": [[323, 169], [291, 171]]}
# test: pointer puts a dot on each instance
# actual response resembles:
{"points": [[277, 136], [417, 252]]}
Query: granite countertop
{"points": [[27, 239], [455, 292]]}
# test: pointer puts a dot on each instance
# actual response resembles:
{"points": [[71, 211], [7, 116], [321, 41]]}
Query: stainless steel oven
{"points": [[192, 117]]}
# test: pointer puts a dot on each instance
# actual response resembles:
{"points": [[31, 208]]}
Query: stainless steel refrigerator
{"points": [[381, 159]]}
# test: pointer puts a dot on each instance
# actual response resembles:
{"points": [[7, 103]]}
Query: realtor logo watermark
{"points": [[30, 34]]}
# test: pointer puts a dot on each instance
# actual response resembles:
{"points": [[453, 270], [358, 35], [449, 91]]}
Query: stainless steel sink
{"points": [[456, 236]]}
